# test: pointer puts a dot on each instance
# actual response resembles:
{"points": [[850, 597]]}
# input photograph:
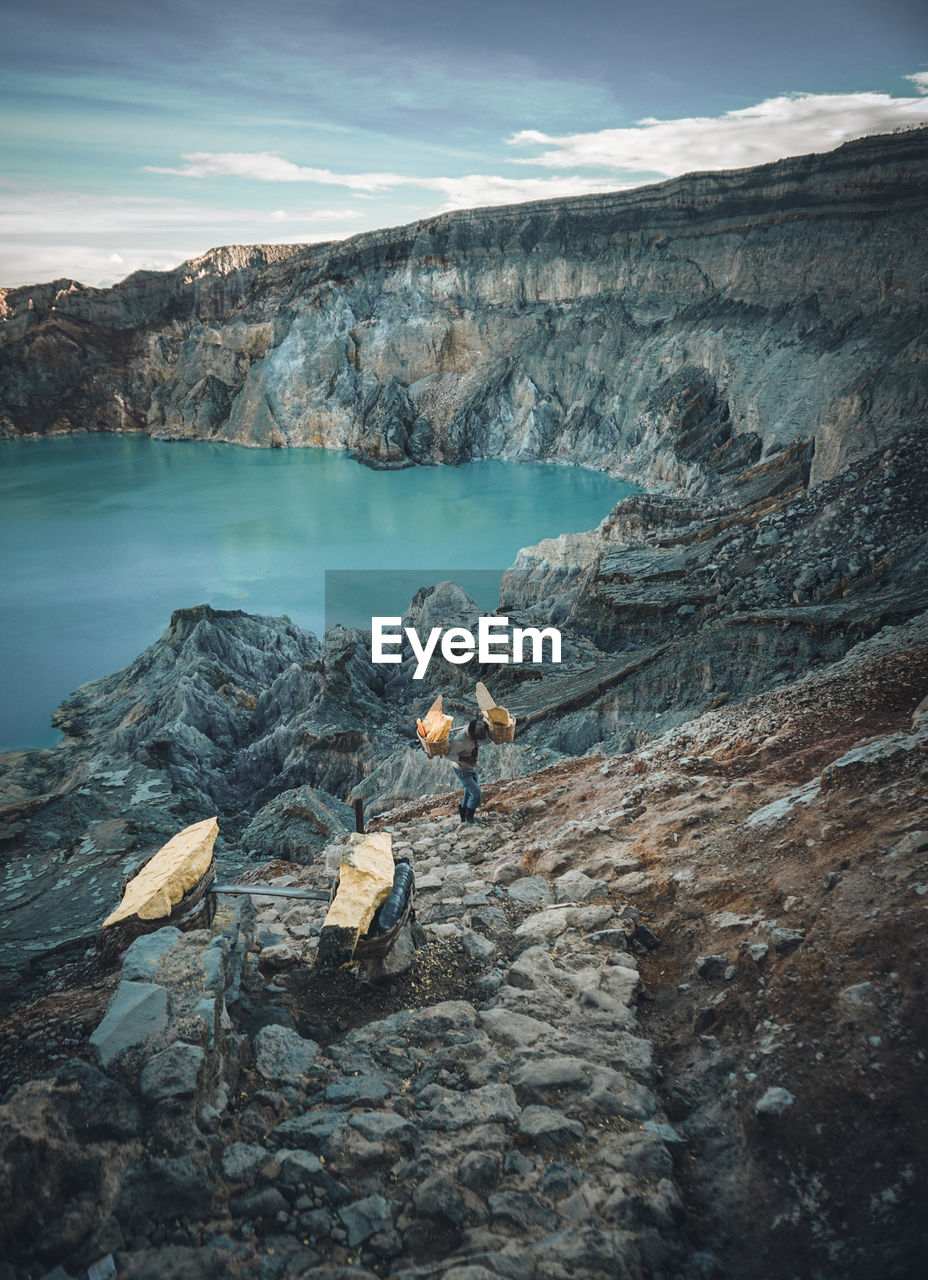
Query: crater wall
{"points": [[679, 334]]}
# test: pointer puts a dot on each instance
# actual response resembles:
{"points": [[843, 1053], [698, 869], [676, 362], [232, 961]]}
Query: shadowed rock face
{"points": [[679, 334]]}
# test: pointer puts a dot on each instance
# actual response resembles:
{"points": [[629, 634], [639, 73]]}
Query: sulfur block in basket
{"points": [[365, 878], [434, 729], [166, 877]]}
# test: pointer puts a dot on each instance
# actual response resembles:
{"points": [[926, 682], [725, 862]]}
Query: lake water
{"points": [[101, 537]]}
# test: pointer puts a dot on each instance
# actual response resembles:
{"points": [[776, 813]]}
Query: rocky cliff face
{"points": [[676, 334], [663, 1010]]}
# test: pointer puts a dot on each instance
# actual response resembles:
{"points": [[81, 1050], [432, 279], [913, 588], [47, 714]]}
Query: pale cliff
{"points": [[675, 334]]}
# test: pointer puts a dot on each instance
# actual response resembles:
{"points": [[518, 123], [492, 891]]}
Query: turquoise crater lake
{"points": [[101, 537]]}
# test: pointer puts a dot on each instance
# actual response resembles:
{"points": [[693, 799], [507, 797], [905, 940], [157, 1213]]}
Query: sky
{"points": [[141, 133]]}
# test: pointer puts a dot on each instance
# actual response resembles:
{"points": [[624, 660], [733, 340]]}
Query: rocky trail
{"points": [[488, 1109], [660, 1014]]}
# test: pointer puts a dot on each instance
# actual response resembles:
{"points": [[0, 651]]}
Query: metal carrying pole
{"points": [[267, 891]]}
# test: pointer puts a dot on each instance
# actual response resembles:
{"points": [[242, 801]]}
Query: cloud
{"points": [[476, 189], [316, 215], [795, 124], [465, 192], [23, 264], [38, 212], [47, 235], [267, 166]]}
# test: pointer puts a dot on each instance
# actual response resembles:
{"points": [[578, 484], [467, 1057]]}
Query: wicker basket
{"points": [[434, 748], [194, 911], [502, 732], [374, 946]]}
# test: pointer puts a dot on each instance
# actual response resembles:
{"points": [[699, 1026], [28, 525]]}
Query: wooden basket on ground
{"points": [[195, 910], [372, 947], [377, 945]]}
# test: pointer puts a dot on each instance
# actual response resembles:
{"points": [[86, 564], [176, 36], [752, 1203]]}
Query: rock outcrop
{"points": [[679, 334]]}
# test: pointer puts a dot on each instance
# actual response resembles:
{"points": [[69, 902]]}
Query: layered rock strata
{"points": [[678, 334]]}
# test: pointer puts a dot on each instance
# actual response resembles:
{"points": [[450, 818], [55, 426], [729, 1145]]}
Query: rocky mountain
{"points": [[677, 334], [662, 1012]]}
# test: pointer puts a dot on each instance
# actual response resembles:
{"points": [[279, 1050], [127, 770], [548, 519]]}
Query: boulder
{"points": [[283, 1055], [774, 1101], [137, 1013], [172, 1073], [364, 1218], [548, 1129]]}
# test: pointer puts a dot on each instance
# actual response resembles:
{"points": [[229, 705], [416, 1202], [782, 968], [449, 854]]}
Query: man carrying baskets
{"points": [[462, 753], [460, 748]]}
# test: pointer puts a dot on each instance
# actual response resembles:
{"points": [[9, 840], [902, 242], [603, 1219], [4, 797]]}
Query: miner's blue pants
{"points": [[472, 796]]}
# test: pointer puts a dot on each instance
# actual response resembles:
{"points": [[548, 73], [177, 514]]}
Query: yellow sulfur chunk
{"points": [[485, 698], [165, 878], [365, 878], [497, 715], [436, 726]]}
